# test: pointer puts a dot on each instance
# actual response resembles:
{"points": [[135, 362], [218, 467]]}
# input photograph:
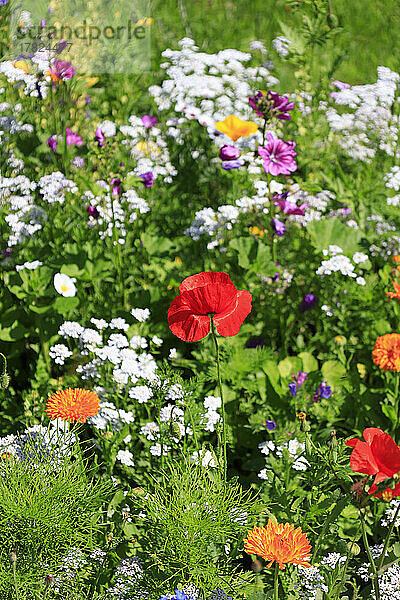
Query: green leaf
{"points": [[332, 231], [309, 362], [65, 305], [332, 372], [270, 368], [390, 412], [289, 366], [245, 246]]}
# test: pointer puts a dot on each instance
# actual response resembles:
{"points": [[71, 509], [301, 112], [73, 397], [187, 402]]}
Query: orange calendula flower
{"points": [[386, 352], [73, 405], [396, 293], [279, 542], [235, 128]]}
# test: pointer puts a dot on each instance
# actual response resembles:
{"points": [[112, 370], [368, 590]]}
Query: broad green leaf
{"points": [[289, 366], [309, 362], [332, 231], [332, 372]]}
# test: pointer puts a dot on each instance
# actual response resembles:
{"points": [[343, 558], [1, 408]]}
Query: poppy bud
{"points": [[256, 566], [354, 549], [13, 557], [175, 430], [5, 381], [48, 580]]}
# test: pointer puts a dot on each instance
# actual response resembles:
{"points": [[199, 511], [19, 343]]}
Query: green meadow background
{"points": [[370, 37]]}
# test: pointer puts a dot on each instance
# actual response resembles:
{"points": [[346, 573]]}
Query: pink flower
{"points": [[149, 121], [73, 139], [52, 143], [278, 156], [289, 208], [62, 70]]}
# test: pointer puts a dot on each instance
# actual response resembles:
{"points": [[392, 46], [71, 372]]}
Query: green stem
{"points": [[344, 572], [388, 536], [375, 581], [222, 399], [15, 579], [276, 582], [396, 399]]}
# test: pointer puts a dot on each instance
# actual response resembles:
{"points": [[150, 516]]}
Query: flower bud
{"points": [[256, 566], [228, 152], [354, 548], [5, 381], [13, 557]]}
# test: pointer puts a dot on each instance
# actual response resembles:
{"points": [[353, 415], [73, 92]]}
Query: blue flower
{"points": [[293, 388]]}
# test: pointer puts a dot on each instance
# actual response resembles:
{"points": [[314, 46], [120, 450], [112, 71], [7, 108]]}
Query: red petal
{"points": [[211, 298], [201, 279], [386, 453], [362, 460], [353, 442], [184, 324], [371, 432], [229, 322]]}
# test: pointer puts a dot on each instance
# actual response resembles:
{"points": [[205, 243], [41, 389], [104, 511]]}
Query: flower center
{"points": [[64, 288]]}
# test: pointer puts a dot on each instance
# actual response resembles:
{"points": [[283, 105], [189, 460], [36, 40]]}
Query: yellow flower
{"points": [[235, 128], [340, 339], [21, 64], [256, 231], [361, 369], [147, 148]]}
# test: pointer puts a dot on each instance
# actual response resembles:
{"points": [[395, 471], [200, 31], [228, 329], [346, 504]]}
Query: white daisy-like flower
{"points": [[65, 285]]}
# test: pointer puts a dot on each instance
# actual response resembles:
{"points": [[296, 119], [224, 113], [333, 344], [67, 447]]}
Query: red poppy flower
{"points": [[206, 295], [379, 455]]}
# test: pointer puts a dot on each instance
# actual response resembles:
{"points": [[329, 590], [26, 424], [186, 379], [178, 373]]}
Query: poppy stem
{"points": [[374, 577], [222, 399]]}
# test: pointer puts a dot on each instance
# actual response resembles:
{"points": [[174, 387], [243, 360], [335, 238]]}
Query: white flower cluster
{"points": [[205, 458], [32, 84], [149, 149], [372, 125], [53, 187], [110, 416], [389, 514], [293, 447], [312, 580], [281, 45], [338, 262], [208, 87], [114, 210], [389, 581], [211, 417], [392, 178], [39, 445], [23, 217], [129, 365]]}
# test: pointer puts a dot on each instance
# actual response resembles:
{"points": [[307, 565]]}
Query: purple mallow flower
{"points": [[278, 227], [289, 208], [63, 69], [115, 186], [52, 143], [228, 152], [7, 252], [278, 156], [73, 139], [322, 391], [149, 121], [293, 388], [148, 179], [231, 164], [100, 137], [270, 425], [271, 105]]}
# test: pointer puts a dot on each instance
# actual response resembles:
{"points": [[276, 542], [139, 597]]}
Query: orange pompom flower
{"points": [[236, 128], [279, 542], [73, 405], [386, 352], [396, 293]]}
